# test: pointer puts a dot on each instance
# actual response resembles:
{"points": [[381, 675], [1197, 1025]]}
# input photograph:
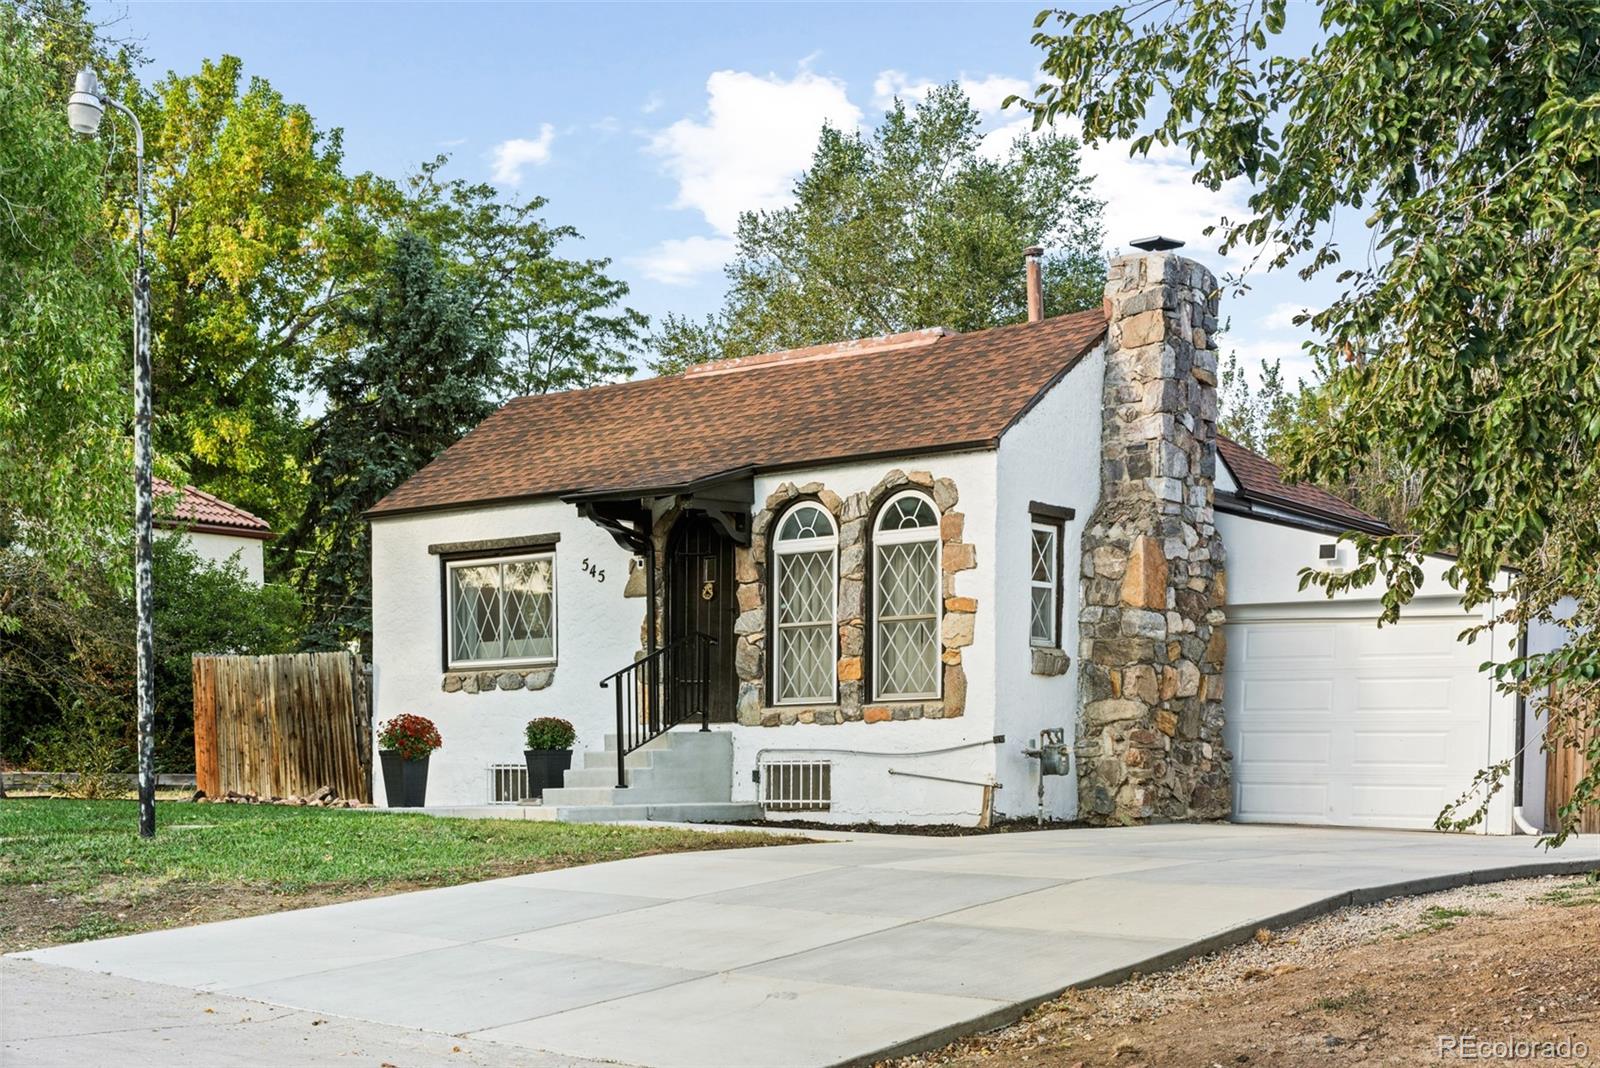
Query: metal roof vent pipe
{"points": [[1035, 283]]}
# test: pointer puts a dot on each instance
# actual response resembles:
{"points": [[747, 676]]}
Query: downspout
{"points": [[1517, 816]]}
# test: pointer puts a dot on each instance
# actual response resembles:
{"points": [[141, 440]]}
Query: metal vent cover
{"points": [[796, 785]]}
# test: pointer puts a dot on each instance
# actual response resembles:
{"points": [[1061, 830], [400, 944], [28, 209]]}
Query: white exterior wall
{"points": [[597, 632], [1263, 565], [863, 753], [219, 548], [1053, 456]]}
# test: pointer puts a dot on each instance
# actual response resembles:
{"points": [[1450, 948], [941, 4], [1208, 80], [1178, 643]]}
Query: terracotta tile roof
{"points": [[919, 392], [195, 509], [1260, 480]]}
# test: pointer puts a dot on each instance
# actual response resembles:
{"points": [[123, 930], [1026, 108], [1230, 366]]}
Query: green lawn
{"points": [[71, 870]]}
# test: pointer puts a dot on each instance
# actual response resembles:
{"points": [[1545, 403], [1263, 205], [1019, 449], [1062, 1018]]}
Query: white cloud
{"points": [[511, 157], [682, 261], [757, 135], [652, 103], [986, 93]]}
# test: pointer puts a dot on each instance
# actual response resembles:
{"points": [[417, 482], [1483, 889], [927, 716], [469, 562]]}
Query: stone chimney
{"points": [[1035, 283], [1151, 645]]}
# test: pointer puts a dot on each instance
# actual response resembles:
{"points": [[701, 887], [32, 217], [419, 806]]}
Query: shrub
{"points": [[413, 737], [548, 732]]}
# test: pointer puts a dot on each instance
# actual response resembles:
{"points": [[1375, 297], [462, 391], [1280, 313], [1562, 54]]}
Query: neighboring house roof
{"points": [[198, 511], [1260, 480], [925, 391]]}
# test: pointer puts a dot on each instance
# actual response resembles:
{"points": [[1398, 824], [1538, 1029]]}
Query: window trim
{"points": [[447, 605], [792, 547], [876, 538], [1056, 528]]}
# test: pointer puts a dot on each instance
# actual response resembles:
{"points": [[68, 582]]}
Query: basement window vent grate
{"points": [[508, 783], [797, 785]]}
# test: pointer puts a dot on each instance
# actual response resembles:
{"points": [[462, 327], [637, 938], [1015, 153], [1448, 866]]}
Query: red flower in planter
{"points": [[413, 737]]}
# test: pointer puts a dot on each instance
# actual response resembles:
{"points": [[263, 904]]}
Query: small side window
{"points": [[1044, 575]]}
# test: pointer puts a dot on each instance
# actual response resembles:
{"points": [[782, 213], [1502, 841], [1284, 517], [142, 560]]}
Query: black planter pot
{"points": [[546, 769], [405, 782]]}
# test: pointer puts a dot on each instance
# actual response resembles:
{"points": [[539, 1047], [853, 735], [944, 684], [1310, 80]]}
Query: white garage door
{"points": [[1339, 722]]}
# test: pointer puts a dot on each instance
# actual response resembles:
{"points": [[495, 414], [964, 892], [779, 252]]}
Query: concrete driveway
{"points": [[837, 952]]}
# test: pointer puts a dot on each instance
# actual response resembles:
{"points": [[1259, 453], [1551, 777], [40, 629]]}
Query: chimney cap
{"points": [[1033, 250], [1156, 243]]}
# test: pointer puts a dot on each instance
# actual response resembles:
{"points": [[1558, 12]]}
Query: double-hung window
{"points": [[501, 611], [1044, 580], [805, 557], [906, 598]]}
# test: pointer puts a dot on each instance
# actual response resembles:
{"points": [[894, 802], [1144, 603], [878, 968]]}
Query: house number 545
{"points": [[596, 573]]}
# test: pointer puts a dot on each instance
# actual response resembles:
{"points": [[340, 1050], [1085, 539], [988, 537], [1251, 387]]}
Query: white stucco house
{"points": [[884, 571], [212, 528]]}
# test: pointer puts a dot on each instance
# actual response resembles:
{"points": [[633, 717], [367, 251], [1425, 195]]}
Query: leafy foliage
{"points": [[64, 297], [549, 732], [911, 226], [68, 703], [558, 323], [413, 737], [416, 380], [1468, 344]]}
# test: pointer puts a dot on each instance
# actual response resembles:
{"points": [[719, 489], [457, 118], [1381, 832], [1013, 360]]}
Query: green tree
{"points": [[1469, 346], [257, 237], [65, 288], [559, 323], [418, 379], [1256, 417], [909, 226]]}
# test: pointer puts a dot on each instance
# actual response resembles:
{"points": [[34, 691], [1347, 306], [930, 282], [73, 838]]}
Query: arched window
{"points": [[805, 639], [905, 598]]}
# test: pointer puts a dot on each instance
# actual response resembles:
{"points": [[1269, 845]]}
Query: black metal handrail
{"points": [[659, 691]]}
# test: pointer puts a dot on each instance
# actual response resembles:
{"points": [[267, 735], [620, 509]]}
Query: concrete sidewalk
{"points": [[837, 952]]}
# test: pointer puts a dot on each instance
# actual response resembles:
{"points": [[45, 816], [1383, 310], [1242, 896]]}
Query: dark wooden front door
{"points": [[700, 597]]}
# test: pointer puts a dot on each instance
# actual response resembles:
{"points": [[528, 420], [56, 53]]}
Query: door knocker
{"points": [[708, 590]]}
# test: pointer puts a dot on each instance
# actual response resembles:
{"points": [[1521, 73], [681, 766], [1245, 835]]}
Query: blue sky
{"points": [[650, 126]]}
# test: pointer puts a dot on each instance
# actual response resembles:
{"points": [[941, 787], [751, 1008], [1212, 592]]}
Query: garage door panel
{"points": [[1410, 695], [1315, 642], [1284, 802], [1401, 749], [1395, 805], [1338, 722], [1414, 641], [1275, 697]]}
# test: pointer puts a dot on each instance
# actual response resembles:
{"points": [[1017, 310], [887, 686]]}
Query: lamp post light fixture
{"points": [[85, 108]]}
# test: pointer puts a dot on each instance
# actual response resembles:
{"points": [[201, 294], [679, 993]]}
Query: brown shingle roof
{"points": [[1260, 480], [920, 392], [195, 509]]}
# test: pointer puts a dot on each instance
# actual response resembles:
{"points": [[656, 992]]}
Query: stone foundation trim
{"points": [[508, 679]]}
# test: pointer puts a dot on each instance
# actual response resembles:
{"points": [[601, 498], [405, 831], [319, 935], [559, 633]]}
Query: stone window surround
{"points": [[852, 517]]}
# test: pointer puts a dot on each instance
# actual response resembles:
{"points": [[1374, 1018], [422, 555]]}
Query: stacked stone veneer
{"points": [[852, 515], [1151, 642]]}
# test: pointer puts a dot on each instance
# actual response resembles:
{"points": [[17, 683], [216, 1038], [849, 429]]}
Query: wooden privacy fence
{"points": [[1564, 766], [282, 726]]}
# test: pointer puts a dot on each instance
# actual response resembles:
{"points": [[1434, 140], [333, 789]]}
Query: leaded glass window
{"points": [[502, 611], [905, 598], [804, 579], [1044, 566]]}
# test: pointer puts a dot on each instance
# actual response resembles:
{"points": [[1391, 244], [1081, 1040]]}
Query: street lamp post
{"points": [[85, 108]]}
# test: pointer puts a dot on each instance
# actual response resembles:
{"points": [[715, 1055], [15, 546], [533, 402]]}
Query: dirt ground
{"points": [[1376, 985]]}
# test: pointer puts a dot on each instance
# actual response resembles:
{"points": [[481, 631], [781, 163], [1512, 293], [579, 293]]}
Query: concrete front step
{"points": [[681, 767], [673, 812]]}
